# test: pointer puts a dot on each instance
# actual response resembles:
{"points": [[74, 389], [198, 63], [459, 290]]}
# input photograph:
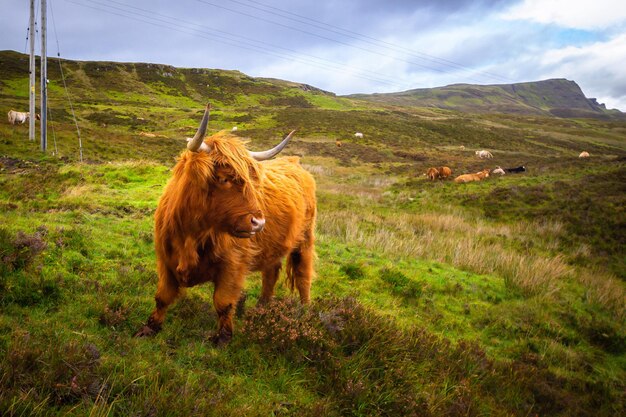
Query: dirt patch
{"points": [[11, 165]]}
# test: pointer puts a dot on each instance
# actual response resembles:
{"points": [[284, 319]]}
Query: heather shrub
{"points": [[286, 327], [16, 252]]}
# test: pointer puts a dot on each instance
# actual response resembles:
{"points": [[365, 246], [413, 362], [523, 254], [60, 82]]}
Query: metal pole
{"points": [[44, 78], [31, 89]]}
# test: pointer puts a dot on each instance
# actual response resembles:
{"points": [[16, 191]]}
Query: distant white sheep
{"points": [[234, 129], [484, 154], [584, 154], [358, 135]]}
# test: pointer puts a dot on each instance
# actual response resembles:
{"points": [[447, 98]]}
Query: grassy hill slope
{"points": [[504, 297], [557, 97]]}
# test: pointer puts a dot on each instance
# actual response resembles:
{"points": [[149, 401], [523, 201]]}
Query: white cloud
{"points": [[598, 69], [579, 14]]}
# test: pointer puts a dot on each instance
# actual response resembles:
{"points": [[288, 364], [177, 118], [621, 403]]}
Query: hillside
{"points": [[557, 97], [503, 297]]}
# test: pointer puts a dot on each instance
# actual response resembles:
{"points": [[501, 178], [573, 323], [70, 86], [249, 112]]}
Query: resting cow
{"points": [[224, 214], [338, 143], [584, 154], [498, 171], [472, 177], [16, 117], [516, 169]]}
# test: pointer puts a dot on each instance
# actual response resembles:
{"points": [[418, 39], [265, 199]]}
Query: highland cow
{"points": [[226, 212]]}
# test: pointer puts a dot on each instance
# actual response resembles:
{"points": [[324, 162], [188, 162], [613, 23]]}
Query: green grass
{"points": [[503, 297]]}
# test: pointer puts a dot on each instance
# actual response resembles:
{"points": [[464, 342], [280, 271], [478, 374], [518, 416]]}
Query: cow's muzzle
{"points": [[256, 225]]}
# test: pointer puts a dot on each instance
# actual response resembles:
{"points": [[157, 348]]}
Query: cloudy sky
{"points": [[350, 46]]}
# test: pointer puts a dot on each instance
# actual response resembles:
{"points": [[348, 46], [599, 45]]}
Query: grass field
{"points": [[502, 297]]}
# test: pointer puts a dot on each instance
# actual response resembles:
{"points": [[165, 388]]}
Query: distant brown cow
{"points": [[224, 214], [472, 177], [444, 172], [338, 144], [438, 173], [432, 174]]}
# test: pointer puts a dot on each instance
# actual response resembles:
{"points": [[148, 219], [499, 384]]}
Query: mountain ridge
{"points": [[553, 97]]}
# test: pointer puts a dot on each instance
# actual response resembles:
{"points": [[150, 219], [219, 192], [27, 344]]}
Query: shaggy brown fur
{"points": [[432, 174], [438, 173], [203, 228], [444, 172]]}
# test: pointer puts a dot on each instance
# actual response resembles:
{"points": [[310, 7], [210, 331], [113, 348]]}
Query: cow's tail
{"points": [[300, 263]]}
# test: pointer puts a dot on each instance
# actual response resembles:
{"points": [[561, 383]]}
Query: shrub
{"points": [[19, 251], [286, 327], [114, 314]]}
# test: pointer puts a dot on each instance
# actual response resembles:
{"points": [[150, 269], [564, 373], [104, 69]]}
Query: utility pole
{"points": [[31, 88], [44, 78]]}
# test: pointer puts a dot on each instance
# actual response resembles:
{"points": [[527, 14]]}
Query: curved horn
{"points": [[196, 143], [270, 153]]}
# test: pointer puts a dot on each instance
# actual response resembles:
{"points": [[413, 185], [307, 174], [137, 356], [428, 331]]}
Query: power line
{"points": [[379, 77], [26, 42], [28, 34], [327, 38], [239, 44], [364, 38], [67, 93]]}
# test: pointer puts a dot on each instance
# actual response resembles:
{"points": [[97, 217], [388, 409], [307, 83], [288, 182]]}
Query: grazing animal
{"points": [[516, 169], [338, 144], [444, 172], [472, 177], [484, 154], [432, 173], [498, 170], [16, 117], [584, 154], [223, 214], [462, 147], [234, 129], [358, 135]]}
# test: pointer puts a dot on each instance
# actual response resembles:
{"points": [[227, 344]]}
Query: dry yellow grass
{"points": [[606, 290], [468, 244]]}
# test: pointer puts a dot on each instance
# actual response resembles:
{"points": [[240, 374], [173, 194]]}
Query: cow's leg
{"points": [[301, 260], [270, 276], [168, 290], [225, 297]]}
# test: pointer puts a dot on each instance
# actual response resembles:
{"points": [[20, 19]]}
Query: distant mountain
{"points": [[146, 84], [556, 97]]}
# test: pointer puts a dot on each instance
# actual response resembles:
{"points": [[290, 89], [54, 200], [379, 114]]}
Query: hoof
{"points": [[221, 339]]}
